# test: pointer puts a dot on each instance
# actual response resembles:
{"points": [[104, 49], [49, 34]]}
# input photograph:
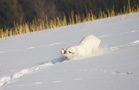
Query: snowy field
{"points": [[33, 61]]}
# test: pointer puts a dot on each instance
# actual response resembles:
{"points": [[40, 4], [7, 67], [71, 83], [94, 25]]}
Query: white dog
{"points": [[87, 46]]}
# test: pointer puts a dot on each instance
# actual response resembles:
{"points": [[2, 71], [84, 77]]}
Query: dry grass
{"points": [[37, 25]]}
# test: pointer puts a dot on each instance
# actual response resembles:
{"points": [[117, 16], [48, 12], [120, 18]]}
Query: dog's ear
{"points": [[63, 51]]}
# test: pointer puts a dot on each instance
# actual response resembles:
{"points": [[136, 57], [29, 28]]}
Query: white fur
{"points": [[87, 46]]}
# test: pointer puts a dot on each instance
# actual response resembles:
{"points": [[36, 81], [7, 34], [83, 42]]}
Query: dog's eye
{"points": [[69, 51]]}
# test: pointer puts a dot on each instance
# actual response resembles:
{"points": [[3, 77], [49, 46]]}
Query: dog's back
{"points": [[88, 45], [91, 41]]}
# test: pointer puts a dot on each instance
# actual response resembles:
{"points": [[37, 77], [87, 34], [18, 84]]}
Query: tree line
{"points": [[20, 11]]}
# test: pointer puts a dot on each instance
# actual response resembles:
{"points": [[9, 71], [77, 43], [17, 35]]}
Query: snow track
{"points": [[8, 79]]}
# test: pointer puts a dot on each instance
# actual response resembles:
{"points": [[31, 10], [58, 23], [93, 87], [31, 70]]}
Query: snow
{"points": [[33, 61]]}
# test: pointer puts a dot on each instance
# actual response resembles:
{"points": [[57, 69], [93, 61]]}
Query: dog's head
{"points": [[68, 53]]}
